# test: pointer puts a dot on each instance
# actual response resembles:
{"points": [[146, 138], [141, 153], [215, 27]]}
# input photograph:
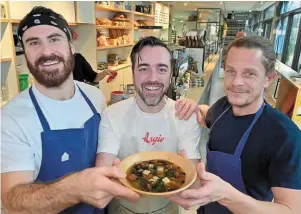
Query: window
{"points": [[280, 32], [286, 6], [267, 29], [269, 12], [289, 56], [299, 64]]}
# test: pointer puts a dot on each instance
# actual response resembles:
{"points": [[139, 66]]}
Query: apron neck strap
{"points": [[224, 112], [88, 101], [41, 116], [244, 138]]}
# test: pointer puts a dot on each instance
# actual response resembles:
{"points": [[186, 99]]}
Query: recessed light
{"points": [[181, 20], [185, 4], [221, 2]]}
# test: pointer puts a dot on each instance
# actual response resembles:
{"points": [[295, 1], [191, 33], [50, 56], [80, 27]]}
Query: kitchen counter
{"points": [[288, 92], [286, 72]]}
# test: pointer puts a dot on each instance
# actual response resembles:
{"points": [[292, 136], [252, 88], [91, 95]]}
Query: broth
{"points": [[156, 176]]}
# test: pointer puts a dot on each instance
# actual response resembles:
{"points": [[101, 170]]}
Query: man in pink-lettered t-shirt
{"points": [[150, 121]]}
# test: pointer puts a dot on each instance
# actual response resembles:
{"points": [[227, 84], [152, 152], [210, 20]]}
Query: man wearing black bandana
{"points": [[50, 131]]}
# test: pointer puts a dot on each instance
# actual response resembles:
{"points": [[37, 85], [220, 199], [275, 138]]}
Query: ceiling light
{"points": [[181, 20], [173, 19], [221, 2], [185, 4]]}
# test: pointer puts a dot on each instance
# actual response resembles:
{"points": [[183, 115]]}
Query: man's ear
{"points": [[271, 76]]}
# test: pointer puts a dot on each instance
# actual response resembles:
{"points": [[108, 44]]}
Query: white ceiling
{"points": [[180, 9]]}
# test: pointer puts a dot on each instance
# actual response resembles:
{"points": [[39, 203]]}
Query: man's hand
{"points": [[185, 108], [101, 75], [201, 112], [95, 186], [211, 189]]}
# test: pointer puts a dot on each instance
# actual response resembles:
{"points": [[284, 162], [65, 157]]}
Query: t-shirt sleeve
{"points": [[108, 140], [190, 139], [16, 152], [285, 164], [103, 103], [89, 73]]}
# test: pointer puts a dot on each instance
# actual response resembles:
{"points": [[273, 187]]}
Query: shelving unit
{"points": [[5, 59], [113, 27], [4, 20], [119, 67], [143, 14], [9, 76], [109, 9], [112, 47]]}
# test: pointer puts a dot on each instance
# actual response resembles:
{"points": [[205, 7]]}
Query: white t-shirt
{"points": [[21, 128], [125, 129]]}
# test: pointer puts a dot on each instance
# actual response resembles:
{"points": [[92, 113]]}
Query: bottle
{"points": [[186, 42], [192, 42], [201, 43], [195, 42], [189, 42]]}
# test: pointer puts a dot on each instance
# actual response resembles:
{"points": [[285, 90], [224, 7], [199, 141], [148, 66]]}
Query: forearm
{"points": [[41, 198], [197, 182], [104, 159], [240, 203], [100, 76]]}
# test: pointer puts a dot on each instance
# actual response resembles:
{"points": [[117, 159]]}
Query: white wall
{"points": [[19, 9]]}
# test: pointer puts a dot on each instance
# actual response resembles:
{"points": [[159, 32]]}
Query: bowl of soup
{"points": [[157, 173]]}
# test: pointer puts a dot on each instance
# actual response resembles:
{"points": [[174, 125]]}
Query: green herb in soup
{"points": [[156, 176]]}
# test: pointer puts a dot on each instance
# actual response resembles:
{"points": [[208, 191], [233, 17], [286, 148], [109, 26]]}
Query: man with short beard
{"points": [[50, 131], [147, 122], [254, 150]]}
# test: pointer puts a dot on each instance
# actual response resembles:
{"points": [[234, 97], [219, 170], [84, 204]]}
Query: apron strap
{"points": [[244, 138], [41, 116], [219, 118], [88, 101]]}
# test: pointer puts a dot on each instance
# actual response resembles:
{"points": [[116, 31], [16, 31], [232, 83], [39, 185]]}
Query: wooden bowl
{"points": [[186, 165]]}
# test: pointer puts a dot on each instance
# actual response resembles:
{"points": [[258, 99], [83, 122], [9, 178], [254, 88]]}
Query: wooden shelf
{"points": [[113, 27], [4, 20], [3, 103], [119, 67], [137, 28], [5, 59], [110, 9], [143, 14], [112, 47]]}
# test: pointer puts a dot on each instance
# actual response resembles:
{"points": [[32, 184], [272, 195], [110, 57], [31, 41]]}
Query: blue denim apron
{"points": [[227, 167], [68, 150]]}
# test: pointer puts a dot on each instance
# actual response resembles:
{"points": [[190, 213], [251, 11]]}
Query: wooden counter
{"points": [[289, 93]]}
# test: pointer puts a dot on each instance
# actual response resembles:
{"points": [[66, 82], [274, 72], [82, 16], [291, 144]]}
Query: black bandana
{"points": [[43, 19]]}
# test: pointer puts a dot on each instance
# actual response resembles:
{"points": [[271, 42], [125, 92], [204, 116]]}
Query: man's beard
{"points": [[51, 78], [151, 99]]}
